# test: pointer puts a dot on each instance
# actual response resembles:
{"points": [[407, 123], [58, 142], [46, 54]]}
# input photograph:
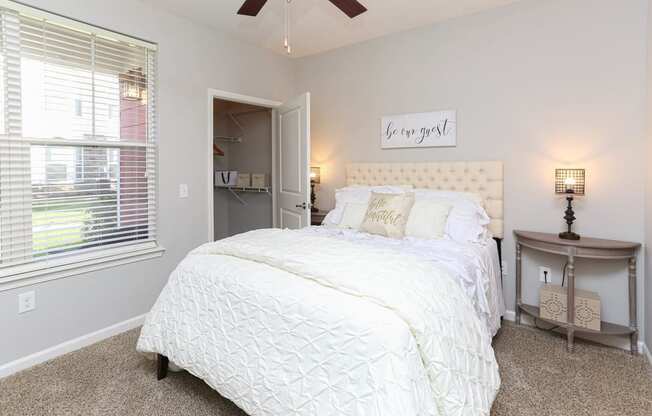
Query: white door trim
{"points": [[239, 98], [274, 162]]}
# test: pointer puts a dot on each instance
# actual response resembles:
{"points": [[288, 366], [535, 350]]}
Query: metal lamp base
{"points": [[313, 197], [569, 217], [569, 235]]}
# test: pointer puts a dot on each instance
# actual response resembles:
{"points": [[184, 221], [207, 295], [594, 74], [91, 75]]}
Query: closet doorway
{"points": [[259, 163]]}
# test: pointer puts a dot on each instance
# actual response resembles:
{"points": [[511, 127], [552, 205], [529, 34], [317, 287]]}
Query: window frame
{"points": [[85, 261]]}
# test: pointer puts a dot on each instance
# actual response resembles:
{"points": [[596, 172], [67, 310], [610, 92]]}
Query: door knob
{"points": [[302, 206]]}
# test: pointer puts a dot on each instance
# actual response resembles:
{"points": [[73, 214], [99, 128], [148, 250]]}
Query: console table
{"points": [[592, 248]]}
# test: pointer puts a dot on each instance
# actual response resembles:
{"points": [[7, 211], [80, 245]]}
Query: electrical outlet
{"points": [[183, 190], [545, 274], [26, 302]]}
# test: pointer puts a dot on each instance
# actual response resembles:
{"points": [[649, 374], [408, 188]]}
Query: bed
{"points": [[324, 321]]}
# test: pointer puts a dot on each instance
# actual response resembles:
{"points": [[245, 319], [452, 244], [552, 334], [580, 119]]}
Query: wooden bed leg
{"points": [[499, 245], [161, 366]]}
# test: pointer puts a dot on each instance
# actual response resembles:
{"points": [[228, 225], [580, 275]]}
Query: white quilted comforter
{"points": [[290, 323]]}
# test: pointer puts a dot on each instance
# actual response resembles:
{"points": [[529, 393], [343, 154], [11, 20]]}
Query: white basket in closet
{"points": [[226, 177]]}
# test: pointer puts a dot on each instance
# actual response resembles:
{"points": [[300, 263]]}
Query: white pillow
{"points": [[353, 215], [357, 195], [467, 220], [428, 219], [465, 228]]}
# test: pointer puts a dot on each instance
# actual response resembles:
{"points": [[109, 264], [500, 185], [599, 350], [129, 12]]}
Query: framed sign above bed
{"points": [[433, 129]]}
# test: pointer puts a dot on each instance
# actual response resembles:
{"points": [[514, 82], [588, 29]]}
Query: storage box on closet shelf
{"points": [[236, 182]]}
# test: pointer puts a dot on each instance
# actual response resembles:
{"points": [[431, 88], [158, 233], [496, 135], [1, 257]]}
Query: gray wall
{"points": [[539, 85], [648, 192], [191, 60], [252, 155], [222, 126]]}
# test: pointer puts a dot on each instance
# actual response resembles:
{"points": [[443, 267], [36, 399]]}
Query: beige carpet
{"points": [[539, 378]]}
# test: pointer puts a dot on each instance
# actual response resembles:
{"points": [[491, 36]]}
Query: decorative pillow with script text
{"points": [[388, 214]]}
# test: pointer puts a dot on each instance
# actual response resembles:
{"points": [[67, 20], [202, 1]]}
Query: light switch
{"points": [[183, 190], [26, 302]]}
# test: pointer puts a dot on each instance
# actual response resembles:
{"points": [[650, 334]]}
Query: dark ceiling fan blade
{"points": [[251, 7], [350, 7]]}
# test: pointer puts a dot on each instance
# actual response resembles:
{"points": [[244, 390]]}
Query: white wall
{"points": [[539, 85], [192, 59]]}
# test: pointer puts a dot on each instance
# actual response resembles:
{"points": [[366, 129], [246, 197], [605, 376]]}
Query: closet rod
{"points": [[229, 139]]}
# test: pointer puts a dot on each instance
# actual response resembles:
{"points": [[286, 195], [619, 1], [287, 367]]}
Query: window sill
{"points": [[39, 272]]}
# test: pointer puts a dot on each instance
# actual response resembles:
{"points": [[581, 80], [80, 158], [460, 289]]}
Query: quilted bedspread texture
{"points": [[288, 323]]}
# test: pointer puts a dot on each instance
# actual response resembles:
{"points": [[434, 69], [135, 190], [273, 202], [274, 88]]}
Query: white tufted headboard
{"points": [[483, 178]]}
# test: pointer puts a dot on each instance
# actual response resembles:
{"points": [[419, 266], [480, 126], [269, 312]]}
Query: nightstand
{"points": [[590, 248], [316, 218]]}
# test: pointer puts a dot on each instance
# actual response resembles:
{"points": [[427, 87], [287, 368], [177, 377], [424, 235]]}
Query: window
{"points": [[79, 112], [77, 141]]}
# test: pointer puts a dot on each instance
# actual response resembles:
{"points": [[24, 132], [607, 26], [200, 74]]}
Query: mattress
{"points": [[475, 266], [313, 322]]}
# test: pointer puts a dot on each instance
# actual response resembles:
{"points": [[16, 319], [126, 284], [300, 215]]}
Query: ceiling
{"points": [[317, 25]]}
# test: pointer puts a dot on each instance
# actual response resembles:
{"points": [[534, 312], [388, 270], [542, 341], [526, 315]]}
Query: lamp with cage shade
{"points": [[570, 182]]}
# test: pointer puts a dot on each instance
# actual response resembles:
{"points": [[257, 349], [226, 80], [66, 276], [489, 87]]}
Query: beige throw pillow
{"points": [[387, 214]]}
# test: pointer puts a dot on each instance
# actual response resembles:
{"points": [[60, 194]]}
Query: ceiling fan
{"points": [[351, 8]]}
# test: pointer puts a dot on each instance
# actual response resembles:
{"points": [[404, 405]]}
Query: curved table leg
{"points": [[633, 338], [570, 299], [517, 312]]}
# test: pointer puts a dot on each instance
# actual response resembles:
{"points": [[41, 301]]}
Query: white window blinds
{"points": [[77, 139]]}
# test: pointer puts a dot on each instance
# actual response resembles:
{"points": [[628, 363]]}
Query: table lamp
{"points": [[315, 179], [569, 182]]}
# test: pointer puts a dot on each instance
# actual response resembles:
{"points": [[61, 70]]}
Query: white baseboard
{"points": [[510, 316], [646, 352], [642, 348], [124, 326], [69, 346]]}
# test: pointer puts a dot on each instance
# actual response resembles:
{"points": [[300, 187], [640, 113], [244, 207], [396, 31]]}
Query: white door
{"points": [[293, 163]]}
